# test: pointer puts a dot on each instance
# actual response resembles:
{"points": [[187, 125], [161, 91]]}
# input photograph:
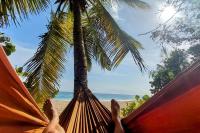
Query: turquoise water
{"points": [[104, 97]]}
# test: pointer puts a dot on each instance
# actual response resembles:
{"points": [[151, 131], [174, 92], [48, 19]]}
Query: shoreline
{"points": [[62, 104]]}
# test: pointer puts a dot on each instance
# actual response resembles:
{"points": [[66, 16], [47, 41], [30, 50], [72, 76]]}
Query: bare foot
{"points": [[51, 113], [115, 110], [50, 110]]}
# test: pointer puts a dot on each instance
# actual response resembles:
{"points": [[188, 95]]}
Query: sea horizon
{"points": [[67, 96]]}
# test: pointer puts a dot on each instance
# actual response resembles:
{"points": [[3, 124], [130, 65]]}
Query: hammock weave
{"points": [[85, 114], [175, 109]]}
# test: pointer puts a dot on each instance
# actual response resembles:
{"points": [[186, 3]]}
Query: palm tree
{"points": [[102, 26], [15, 10], [95, 36]]}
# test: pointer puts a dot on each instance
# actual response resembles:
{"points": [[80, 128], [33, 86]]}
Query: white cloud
{"points": [[114, 11]]}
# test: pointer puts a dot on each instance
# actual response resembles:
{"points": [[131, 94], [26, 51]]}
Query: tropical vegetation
{"points": [[8, 47], [177, 32], [167, 71], [171, 66], [183, 30], [14, 11], [88, 28], [133, 105]]}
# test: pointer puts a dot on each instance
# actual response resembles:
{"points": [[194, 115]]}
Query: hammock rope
{"points": [[85, 114]]}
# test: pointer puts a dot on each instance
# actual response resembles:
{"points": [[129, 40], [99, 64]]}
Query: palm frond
{"points": [[94, 46], [117, 43], [132, 3], [46, 66], [15, 10], [136, 3], [87, 50]]}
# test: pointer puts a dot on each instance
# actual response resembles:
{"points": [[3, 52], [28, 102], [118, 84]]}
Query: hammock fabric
{"points": [[18, 111], [85, 114], [175, 109]]}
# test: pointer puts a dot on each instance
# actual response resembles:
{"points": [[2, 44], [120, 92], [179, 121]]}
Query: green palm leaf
{"points": [[46, 66], [95, 48], [117, 43], [18, 9], [136, 3], [132, 3]]}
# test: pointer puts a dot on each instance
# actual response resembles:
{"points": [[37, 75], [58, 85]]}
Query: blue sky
{"points": [[126, 79]]}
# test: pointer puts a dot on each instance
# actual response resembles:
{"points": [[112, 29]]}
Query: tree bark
{"points": [[80, 65]]}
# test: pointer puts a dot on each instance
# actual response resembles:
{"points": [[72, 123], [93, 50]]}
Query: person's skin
{"points": [[54, 127], [52, 114], [115, 110]]}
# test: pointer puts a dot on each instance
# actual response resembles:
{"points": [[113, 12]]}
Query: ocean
{"points": [[101, 96]]}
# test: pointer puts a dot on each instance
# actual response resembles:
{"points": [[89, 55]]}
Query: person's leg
{"points": [[51, 113], [54, 127], [115, 110]]}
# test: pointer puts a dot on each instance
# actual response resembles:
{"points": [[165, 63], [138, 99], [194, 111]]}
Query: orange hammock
{"points": [[174, 109], [18, 110]]}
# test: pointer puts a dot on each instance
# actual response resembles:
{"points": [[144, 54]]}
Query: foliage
{"points": [[20, 72], [174, 64], [46, 66], [114, 41], [104, 42], [8, 47], [195, 52], [15, 10], [133, 105], [180, 30]]}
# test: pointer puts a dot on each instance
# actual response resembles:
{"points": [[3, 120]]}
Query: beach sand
{"points": [[60, 105]]}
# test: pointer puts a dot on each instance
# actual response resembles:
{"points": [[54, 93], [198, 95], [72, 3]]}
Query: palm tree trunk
{"points": [[80, 65]]}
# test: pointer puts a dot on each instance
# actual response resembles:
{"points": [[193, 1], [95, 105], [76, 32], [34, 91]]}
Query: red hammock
{"points": [[174, 109]]}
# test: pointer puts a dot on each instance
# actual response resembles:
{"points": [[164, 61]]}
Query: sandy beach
{"points": [[60, 105]]}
